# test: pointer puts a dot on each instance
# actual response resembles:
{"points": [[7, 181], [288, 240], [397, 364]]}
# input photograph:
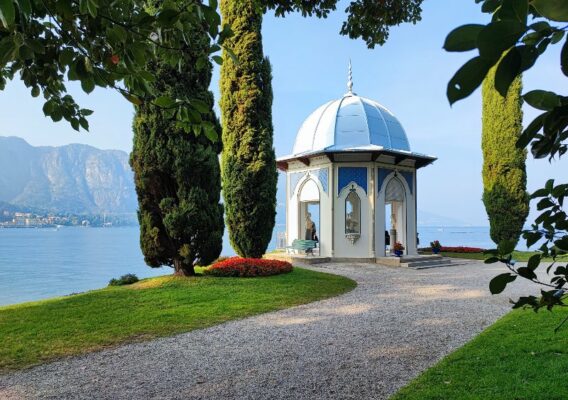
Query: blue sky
{"points": [[309, 58]]}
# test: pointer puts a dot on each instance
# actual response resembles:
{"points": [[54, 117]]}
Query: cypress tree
{"points": [[504, 172], [177, 174], [248, 162]]}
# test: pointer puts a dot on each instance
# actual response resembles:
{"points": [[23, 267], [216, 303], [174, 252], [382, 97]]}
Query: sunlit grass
{"points": [[37, 332], [519, 357]]}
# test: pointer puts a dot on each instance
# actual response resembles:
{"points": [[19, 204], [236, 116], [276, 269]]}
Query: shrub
{"points": [[248, 267], [127, 279]]}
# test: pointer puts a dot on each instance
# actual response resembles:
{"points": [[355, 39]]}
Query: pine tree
{"points": [[177, 174], [504, 172], [248, 162]]}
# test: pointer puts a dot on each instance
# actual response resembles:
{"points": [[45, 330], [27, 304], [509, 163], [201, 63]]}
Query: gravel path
{"points": [[362, 345]]}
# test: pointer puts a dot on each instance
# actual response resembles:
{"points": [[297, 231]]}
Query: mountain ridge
{"points": [[74, 178]]}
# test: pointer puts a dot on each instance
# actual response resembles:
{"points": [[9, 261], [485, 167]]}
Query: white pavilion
{"points": [[353, 172]]}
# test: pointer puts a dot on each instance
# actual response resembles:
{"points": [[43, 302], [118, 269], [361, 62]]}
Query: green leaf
{"points": [[491, 260], [468, 78], [532, 237], [540, 193], [534, 262], [75, 124], [168, 17], [200, 106], [66, 56], [564, 58], [507, 70], [88, 85], [557, 37], [218, 59], [515, 10], [463, 38], [562, 243], [7, 13], [92, 8], [133, 99], [499, 283], [25, 7], [210, 132], [549, 185], [48, 107], [35, 91], [531, 131], [540, 26], [544, 203], [555, 10], [499, 36], [164, 102], [526, 272], [506, 247], [489, 6], [84, 123], [542, 99]]}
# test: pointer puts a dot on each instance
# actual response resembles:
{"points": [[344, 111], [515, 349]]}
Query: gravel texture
{"points": [[362, 345]]}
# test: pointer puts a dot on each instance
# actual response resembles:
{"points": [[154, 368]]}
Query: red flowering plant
{"points": [[248, 267], [462, 249], [398, 247]]}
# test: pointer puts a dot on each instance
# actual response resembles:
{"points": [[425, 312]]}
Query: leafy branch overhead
{"points": [[369, 20], [520, 31], [104, 43]]}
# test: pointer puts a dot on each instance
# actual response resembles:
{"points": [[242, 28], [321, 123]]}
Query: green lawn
{"points": [[519, 357], [37, 332], [517, 255]]}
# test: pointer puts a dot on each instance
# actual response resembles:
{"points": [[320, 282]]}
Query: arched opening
{"points": [[352, 213], [395, 215], [309, 212]]}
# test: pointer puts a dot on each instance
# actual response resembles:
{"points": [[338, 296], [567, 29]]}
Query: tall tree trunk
{"points": [[183, 269]]}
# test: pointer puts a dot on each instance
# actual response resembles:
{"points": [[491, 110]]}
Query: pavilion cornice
{"points": [[398, 157]]}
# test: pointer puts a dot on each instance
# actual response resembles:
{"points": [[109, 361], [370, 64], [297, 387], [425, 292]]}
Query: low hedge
{"points": [[461, 249], [456, 249], [248, 267]]}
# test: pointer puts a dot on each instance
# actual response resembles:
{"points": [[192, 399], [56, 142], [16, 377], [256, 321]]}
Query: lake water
{"points": [[41, 263]]}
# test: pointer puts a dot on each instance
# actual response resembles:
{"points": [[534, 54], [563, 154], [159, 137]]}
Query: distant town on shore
{"points": [[24, 219]]}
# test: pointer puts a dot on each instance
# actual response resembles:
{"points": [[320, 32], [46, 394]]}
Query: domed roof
{"points": [[353, 124], [350, 123]]}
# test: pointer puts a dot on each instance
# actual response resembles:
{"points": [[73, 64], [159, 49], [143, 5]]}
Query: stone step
{"points": [[441, 262]]}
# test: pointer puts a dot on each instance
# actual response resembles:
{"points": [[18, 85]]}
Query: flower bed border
{"points": [[248, 267]]}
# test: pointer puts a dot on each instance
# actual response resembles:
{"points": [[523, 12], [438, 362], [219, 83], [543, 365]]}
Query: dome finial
{"points": [[350, 81]]}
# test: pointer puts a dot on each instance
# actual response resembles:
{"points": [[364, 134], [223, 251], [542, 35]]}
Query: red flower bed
{"points": [[248, 267], [461, 249]]}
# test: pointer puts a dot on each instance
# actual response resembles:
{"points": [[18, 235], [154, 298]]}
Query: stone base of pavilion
{"points": [[414, 261]]}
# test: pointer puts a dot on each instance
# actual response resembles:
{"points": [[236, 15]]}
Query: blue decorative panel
{"points": [[352, 174], [408, 176], [382, 174], [322, 176], [294, 179]]}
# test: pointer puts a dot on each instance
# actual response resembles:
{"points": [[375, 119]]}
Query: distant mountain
{"points": [[75, 178], [426, 218]]}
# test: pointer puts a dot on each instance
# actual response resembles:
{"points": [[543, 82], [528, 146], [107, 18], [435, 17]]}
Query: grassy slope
{"points": [[519, 357], [517, 255], [40, 331]]}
